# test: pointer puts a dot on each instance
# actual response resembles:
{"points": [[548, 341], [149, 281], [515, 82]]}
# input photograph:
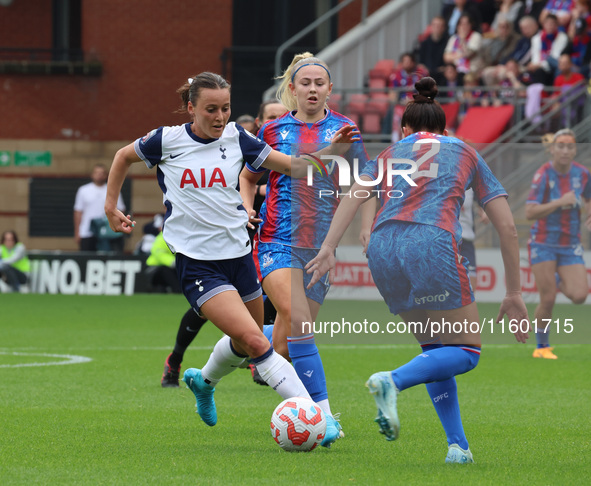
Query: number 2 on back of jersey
{"points": [[425, 166]]}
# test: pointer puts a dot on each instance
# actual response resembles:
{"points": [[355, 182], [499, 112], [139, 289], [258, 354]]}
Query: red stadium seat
{"points": [[334, 102], [382, 69], [378, 103], [377, 83], [451, 114], [372, 123], [357, 103], [484, 124]]}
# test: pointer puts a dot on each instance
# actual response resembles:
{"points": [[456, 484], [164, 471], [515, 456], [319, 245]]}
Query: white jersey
{"points": [[90, 202], [205, 218], [467, 216]]}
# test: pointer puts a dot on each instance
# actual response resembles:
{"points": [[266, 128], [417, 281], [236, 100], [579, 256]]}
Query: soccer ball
{"points": [[298, 424]]}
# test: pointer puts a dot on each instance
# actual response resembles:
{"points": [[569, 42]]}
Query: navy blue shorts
{"points": [[417, 266], [203, 279]]}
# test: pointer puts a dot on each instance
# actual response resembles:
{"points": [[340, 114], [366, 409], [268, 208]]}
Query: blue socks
{"points": [[268, 332], [444, 396], [447, 361], [543, 338], [437, 364], [308, 365]]}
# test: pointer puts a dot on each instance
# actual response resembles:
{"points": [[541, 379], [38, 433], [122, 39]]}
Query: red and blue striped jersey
{"points": [[295, 213], [445, 168], [562, 227]]}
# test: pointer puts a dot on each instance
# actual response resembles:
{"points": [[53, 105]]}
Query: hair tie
{"points": [[423, 99], [310, 64]]}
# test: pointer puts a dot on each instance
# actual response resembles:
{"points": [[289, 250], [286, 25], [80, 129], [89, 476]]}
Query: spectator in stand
{"points": [[451, 79], [512, 84], [14, 264], [405, 77], [530, 8], [561, 9], [492, 75], [487, 9], [547, 46], [248, 123], [501, 45], [473, 95], [463, 47], [566, 81], [430, 51], [452, 13], [508, 10], [579, 33]]}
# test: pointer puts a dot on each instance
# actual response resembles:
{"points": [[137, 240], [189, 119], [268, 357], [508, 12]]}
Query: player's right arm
{"points": [[539, 211], [121, 163]]}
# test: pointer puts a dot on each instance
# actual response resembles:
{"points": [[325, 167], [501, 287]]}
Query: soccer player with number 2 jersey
{"points": [[414, 259]]}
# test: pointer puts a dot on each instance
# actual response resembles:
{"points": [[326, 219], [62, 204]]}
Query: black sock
{"points": [[270, 312], [190, 325]]}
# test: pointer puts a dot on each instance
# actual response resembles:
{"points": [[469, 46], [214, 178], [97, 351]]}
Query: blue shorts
{"points": [[272, 256], [562, 255], [417, 266], [203, 279], [469, 253]]}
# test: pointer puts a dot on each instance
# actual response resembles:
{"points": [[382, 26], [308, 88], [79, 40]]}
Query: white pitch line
{"points": [[70, 359]]}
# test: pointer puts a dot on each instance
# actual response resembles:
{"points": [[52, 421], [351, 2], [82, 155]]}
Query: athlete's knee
{"points": [[473, 355], [254, 344], [576, 294]]}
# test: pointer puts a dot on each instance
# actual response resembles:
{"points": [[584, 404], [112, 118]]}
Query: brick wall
{"points": [[350, 16], [148, 49]]}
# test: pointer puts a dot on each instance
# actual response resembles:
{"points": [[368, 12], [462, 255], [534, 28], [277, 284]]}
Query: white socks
{"points": [[280, 375], [222, 361], [273, 368]]}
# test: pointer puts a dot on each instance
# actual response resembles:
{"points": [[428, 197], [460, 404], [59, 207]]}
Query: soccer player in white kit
{"points": [[198, 165]]}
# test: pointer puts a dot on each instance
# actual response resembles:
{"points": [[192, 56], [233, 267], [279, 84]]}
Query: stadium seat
{"points": [[357, 104], [372, 123], [382, 69], [378, 103], [334, 102], [375, 84], [484, 124], [451, 114]]}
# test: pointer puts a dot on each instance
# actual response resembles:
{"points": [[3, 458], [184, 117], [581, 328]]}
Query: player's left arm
{"points": [[368, 214], [297, 167], [513, 306]]}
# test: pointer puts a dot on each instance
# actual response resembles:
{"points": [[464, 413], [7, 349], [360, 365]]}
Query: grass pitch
{"points": [[107, 420]]}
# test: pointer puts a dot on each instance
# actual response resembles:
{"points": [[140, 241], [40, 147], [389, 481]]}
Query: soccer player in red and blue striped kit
{"points": [[559, 189], [295, 219], [414, 259]]}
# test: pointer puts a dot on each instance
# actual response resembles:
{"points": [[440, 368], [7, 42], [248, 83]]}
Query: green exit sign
{"points": [[32, 159], [5, 158]]}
